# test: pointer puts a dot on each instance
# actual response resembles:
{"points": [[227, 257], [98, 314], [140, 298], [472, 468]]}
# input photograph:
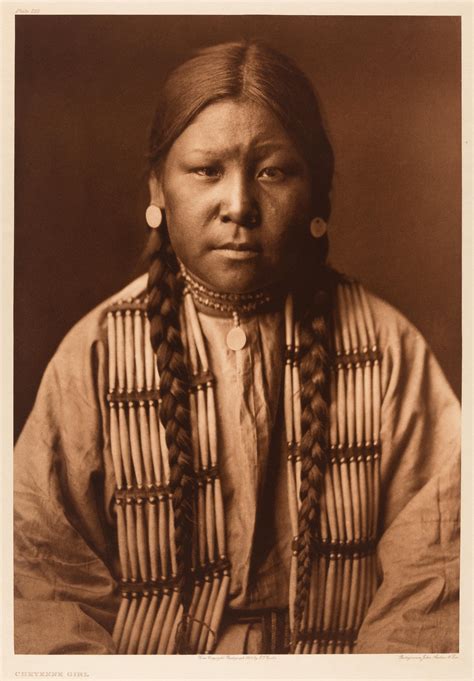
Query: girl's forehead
{"points": [[233, 123]]}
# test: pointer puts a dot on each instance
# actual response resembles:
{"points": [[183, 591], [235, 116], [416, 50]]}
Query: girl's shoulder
{"points": [[364, 319], [91, 329]]}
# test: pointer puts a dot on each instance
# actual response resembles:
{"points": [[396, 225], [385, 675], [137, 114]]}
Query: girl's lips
{"points": [[238, 253]]}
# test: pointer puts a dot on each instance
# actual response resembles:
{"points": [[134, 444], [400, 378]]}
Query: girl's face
{"points": [[237, 196]]}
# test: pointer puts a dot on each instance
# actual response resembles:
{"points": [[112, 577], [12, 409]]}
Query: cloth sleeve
{"points": [[65, 598], [415, 608]]}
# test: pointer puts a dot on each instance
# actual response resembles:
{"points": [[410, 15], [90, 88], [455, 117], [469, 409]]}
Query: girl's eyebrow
{"points": [[261, 147], [204, 152]]}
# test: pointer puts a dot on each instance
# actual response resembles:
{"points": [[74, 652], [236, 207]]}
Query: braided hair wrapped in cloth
{"points": [[269, 452]]}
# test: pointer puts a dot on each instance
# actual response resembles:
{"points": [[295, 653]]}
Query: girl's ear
{"points": [[156, 192]]}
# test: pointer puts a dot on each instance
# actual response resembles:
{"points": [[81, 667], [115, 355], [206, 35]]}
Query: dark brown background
{"points": [[85, 93]]}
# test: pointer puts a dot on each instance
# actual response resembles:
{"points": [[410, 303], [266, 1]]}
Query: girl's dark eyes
{"points": [[271, 173], [208, 171]]}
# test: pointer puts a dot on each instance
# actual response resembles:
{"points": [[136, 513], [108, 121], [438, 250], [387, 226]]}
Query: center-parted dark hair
{"points": [[252, 71]]}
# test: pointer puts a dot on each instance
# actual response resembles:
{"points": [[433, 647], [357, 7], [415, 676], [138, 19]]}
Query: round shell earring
{"points": [[318, 228], [153, 216]]}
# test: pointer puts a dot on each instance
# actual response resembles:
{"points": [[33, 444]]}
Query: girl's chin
{"points": [[234, 279]]}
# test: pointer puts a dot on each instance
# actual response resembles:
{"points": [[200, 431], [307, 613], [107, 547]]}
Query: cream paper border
{"points": [[219, 667]]}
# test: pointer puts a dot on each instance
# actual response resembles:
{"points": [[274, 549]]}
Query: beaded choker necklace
{"points": [[232, 304]]}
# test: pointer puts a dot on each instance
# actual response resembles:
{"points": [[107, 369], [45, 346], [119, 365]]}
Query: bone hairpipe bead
{"points": [[336, 620], [296, 403], [148, 624], [211, 423], [298, 478], [208, 614], [127, 630], [131, 538], [210, 521], [347, 500], [363, 497], [168, 623], [125, 445], [198, 618], [350, 406], [163, 535], [145, 444], [332, 409], [196, 330], [330, 505], [355, 497], [149, 358], [111, 337], [293, 568], [139, 348], [120, 346], [137, 625], [158, 623], [195, 600], [218, 612], [170, 648], [153, 546], [122, 540], [135, 444], [359, 403], [339, 501], [292, 501], [115, 446], [142, 541], [129, 352], [172, 543], [288, 403], [120, 621], [202, 427]]}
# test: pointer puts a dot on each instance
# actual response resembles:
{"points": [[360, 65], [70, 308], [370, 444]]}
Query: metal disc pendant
{"points": [[236, 338]]}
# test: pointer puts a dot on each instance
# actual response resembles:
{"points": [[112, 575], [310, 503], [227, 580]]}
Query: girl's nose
{"points": [[239, 204]]}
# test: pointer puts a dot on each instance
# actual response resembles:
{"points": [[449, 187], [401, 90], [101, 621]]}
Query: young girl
{"points": [[245, 452]]}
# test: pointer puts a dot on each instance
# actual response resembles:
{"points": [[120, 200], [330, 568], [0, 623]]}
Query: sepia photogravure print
{"points": [[237, 334]]}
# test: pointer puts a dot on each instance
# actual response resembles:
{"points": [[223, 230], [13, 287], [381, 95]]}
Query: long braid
{"points": [[314, 368], [164, 294]]}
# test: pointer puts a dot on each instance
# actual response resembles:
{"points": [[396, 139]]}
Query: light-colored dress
{"points": [[67, 563]]}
